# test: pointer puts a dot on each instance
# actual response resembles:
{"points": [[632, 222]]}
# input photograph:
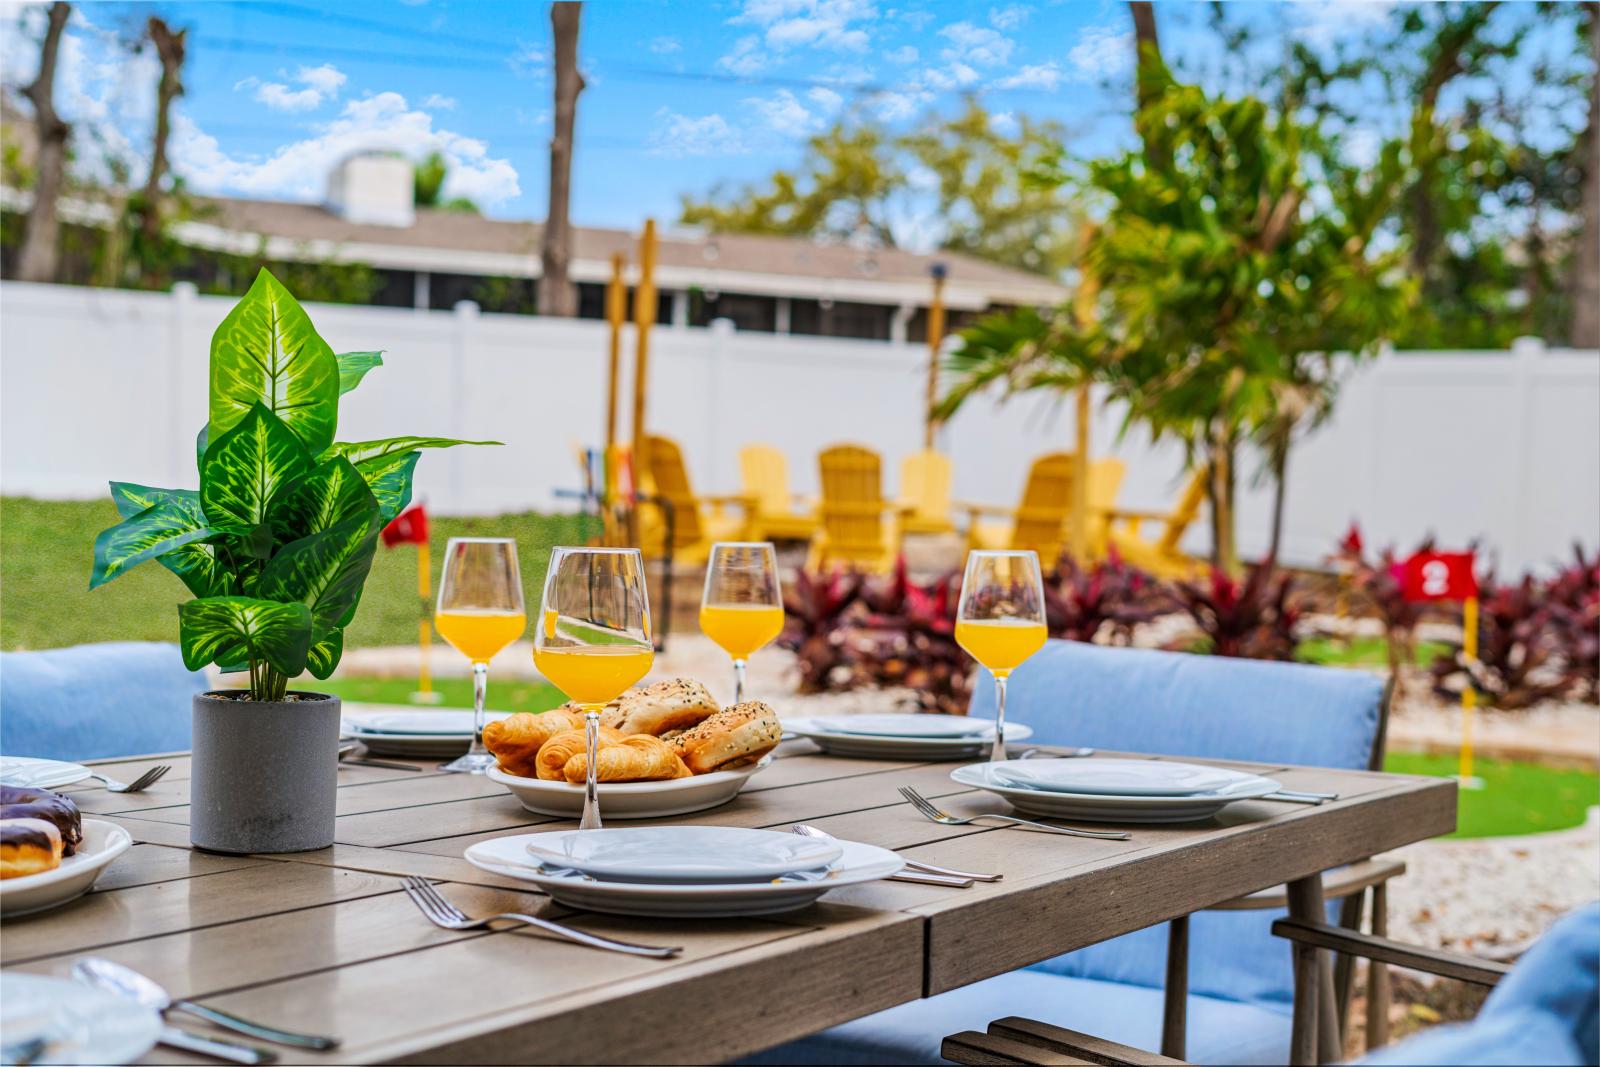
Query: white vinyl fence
{"points": [[98, 384]]}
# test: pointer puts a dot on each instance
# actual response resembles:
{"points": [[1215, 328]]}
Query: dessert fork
{"points": [[934, 814], [138, 785], [442, 913]]}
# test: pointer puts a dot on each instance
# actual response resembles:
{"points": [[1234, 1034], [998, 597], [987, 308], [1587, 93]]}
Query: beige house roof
{"points": [[455, 242]]}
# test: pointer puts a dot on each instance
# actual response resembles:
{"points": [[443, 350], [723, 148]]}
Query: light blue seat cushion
{"points": [[1176, 704], [123, 698], [1220, 1031], [1547, 1011]]}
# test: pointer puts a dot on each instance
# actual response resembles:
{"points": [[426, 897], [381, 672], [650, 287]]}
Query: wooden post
{"points": [[425, 693], [644, 316], [1078, 523], [935, 342]]}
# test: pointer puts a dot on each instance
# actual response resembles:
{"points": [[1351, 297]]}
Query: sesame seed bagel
{"points": [[676, 704], [738, 734]]}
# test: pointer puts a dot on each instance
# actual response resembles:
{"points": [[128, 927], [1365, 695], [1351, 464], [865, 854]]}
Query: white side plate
{"points": [[102, 843], [921, 726], [34, 773], [872, 746], [81, 1024], [1118, 777], [1114, 809], [699, 854]]}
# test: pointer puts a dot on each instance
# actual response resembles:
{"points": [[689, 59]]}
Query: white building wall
{"points": [[98, 384]]}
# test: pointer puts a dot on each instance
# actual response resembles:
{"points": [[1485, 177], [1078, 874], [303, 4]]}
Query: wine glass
{"points": [[593, 639], [479, 612], [1000, 620], [742, 607]]}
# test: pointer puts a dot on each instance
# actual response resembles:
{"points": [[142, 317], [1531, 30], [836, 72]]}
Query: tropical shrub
{"points": [[1376, 584], [1249, 619], [1573, 600], [276, 543], [1107, 597], [907, 638], [1517, 663], [814, 628]]}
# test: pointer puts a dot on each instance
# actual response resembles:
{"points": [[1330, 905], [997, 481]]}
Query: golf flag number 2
{"points": [[1451, 576]]}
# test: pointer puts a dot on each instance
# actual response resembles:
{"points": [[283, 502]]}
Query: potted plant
{"points": [[275, 545]]}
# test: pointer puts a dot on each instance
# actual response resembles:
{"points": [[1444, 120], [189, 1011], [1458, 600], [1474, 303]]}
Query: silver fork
{"points": [[138, 785], [442, 913], [927, 868], [927, 808]]}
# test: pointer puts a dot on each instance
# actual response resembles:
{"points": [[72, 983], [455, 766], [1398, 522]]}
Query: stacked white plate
{"points": [[688, 871], [929, 737], [32, 773], [1115, 790], [413, 733]]}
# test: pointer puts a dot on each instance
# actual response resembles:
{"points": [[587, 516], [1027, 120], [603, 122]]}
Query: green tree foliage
{"points": [[427, 186], [979, 177]]}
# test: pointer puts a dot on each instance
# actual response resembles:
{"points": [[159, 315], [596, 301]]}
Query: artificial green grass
{"points": [[1517, 798], [1362, 652], [46, 549], [509, 695]]}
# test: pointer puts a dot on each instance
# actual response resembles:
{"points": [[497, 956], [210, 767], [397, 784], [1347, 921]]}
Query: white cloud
{"points": [[746, 58], [826, 99], [902, 55], [680, 135], [1004, 123], [439, 102], [1044, 75], [897, 106], [1321, 22], [1010, 17], [665, 46], [280, 97], [830, 24], [784, 114], [299, 170], [326, 79], [529, 61], [317, 85], [1101, 52], [977, 46]]}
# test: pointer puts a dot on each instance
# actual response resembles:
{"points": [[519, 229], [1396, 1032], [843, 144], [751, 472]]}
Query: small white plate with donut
{"points": [[631, 800], [28, 893]]}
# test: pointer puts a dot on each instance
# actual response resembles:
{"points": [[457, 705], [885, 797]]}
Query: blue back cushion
{"points": [[123, 698], [1176, 704]]}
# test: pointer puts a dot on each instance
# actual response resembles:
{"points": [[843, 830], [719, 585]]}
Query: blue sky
{"points": [[681, 96]]}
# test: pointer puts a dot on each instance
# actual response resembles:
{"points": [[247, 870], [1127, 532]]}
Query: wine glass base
{"points": [[471, 763]]}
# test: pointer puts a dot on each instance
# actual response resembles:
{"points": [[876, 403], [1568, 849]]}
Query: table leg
{"points": [[1378, 975], [1174, 1018], [1305, 902]]}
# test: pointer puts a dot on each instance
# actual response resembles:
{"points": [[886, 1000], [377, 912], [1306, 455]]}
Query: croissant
{"points": [[637, 758], [675, 704], [555, 753], [516, 739]]}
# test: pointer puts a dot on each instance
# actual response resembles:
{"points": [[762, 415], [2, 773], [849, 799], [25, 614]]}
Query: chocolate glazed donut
{"points": [[20, 802]]}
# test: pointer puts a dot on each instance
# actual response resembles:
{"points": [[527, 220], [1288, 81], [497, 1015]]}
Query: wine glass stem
{"points": [[480, 690], [738, 681], [998, 753], [591, 794]]}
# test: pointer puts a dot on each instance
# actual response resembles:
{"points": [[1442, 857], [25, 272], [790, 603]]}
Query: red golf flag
{"points": [[1439, 576], [408, 527]]}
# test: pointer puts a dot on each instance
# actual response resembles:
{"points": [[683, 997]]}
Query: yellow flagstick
{"points": [[1469, 695], [616, 314], [425, 693]]}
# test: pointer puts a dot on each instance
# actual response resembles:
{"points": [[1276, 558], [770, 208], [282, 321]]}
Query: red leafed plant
{"points": [[1573, 600], [1517, 664], [1249, 619], [816, 612], [1377, 584], [907, 638], [1107, 596]]}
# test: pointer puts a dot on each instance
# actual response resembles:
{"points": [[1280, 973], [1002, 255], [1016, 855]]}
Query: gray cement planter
{"points": [[264, 775]]}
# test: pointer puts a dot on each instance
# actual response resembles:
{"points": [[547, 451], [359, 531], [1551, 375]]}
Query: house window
{"points": [[840, 318], [748, 312]]}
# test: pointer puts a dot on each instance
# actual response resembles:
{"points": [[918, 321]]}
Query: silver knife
{"points": [[173, 1037], [931, 879]]}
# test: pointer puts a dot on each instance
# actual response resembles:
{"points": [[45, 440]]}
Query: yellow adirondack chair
{"points": [[925, 494], [764, 474], [857, 525], [1039, 522], [698, 521], [1160, 555]]}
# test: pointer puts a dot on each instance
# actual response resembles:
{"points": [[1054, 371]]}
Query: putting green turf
{"points": [[1517, 798]]}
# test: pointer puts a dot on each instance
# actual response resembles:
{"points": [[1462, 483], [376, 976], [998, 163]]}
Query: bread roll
{"points": [[738, 734], [676, 704], [553, 756], [636, 758], [516, 740], [28, 846]]}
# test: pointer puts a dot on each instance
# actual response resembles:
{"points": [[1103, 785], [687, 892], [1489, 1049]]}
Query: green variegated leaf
{"points": [[353, 366], [194, 563], [332, 493], [246, 467], [324, 571], [230, 629], [324, 655], [148, 534], [267, 352], [358, 452], [202, 440], [389, 478]]}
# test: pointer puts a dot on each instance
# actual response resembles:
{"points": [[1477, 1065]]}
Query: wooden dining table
{"points": [[327, 941]]}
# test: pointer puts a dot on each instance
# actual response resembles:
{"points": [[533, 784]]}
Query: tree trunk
{"points": [[1585, 330], [1219, 491], [40, 248], [1280, 492], [169, 48], [1147, 61], [557, 295]]}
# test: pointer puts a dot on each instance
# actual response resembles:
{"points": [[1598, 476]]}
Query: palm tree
{"points": [[557, 296]]}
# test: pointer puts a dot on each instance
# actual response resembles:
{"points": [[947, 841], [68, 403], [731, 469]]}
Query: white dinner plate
{"points": [[913, 725], [878, 746], [81, 1024], [1118, 777], [700, 854], [40, 773], [102, 843], [857, 863], [1101, 807], [416, 723], [631, 800]]}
